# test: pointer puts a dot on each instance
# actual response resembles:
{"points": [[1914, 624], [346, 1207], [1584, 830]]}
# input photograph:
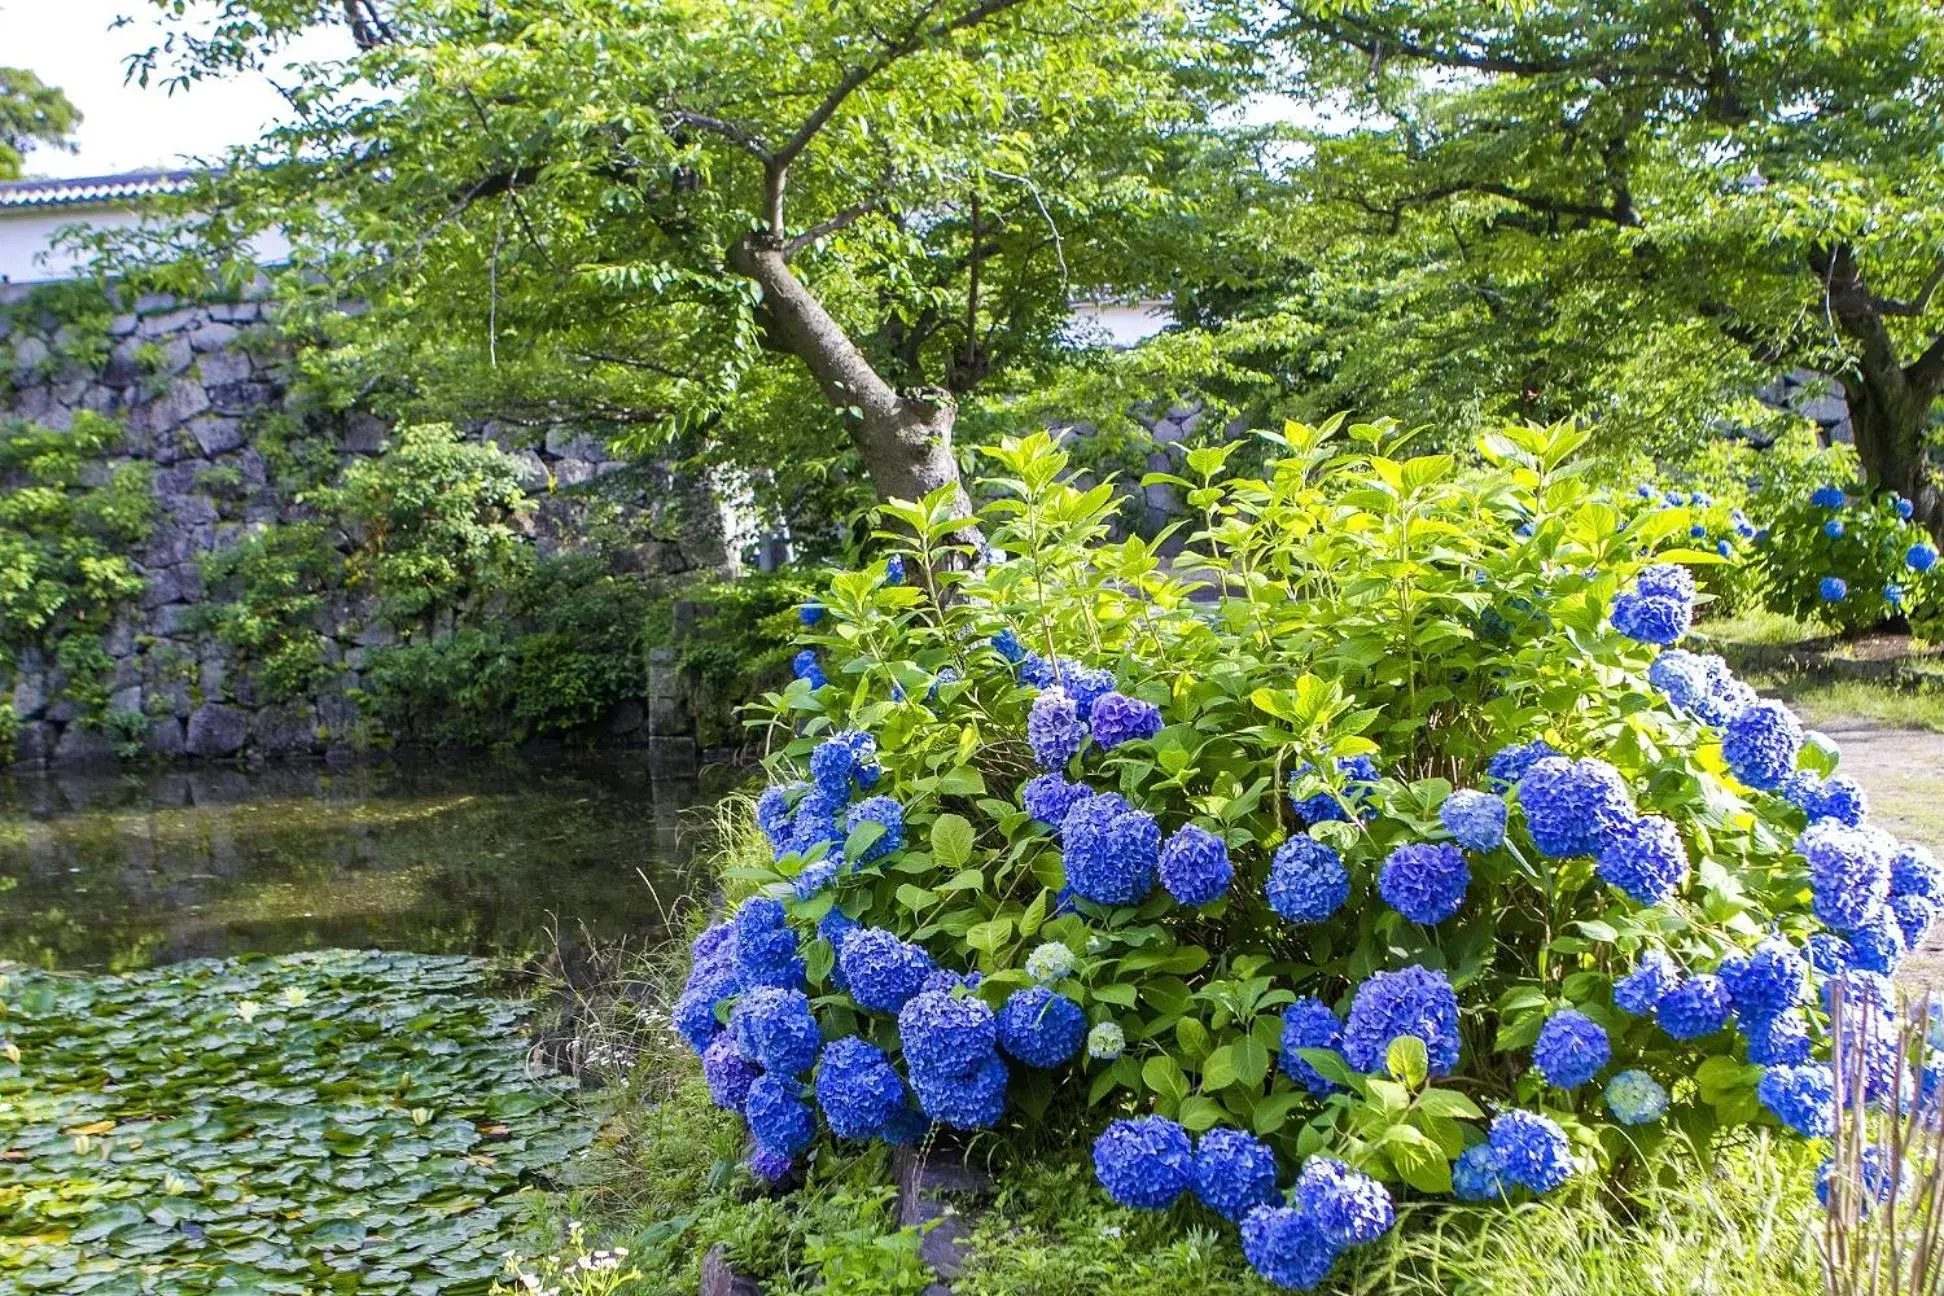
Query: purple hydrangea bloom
{"points": [[1041, 1028], [766, 948], [1144, 1163], [1475, 819], [857, 1089], [882, 972], [1651, 619], [1118, 719], [771, 1167], [1878, 945], [1110, 850], [946, 1034], [1307, 880], [1349, 1207], [1037, 671], [1694, 1009], [1645, 858], [1666, 580], [1309, 1024], [1425, 881], [728, 1073], [1194, 866], [1053, 728], [1761, 744], [1913, 872], [1049, 797], [1410, 1001], [1640, 991], [781, 1122], [1532, 1150], [1914, 915], [1511, 763], [1571, 807], [1571, 1049], [1849, 873], [1234, 1173], [1801, 1097]]}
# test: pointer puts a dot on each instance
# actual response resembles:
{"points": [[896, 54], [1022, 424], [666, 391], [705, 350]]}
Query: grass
{"points": [[1823, 678]]}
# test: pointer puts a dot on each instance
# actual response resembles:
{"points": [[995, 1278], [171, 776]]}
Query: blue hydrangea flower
{"points": [[1921, 557], [815, 829], [1635, 1098], [1849, 873], [1914, 915], [1781, 1040], [1049, 963], [1840, 798], [1194, 866], [1905, 509], [1681, 676], [1234, 1173], [1801, 1097], [1049, 797], [833, 927], [1727, 696], [1878, 945], [894, 570], [1053, 728], [946, 675], [1475, 1175], [1106, 1041], [906, 1127], [1144, 1163], [1309, 1024], [1829, 497], [944, 981], [1913, 872], [857, 1088], [779, 1119], [1572, 806], [1724, 547], [946, 1034], [1110, 850], [1410, 1001], [1475, 819], [773, 814], [806, 666], [1645, 858], [1651, 619], [1359, 775], [883, 972], [1694, 1009], [1639, 992], [1037, 671], [1349, 1207], [1768, 981], [1307, 880], [811, 613], [964, 1102], [728, 1072], [1893, 594], [714, 946], [1874, 1168], [1086, 685], [1285, 1246], [1834, 528], [766, 948], [695, 1011], [770, 1167], [816, 875], [1041, 1028], [1425, 881], [1666, 580], [1834, 589], [776, 1030], [881, 810], [1761, 744], [1118, 719], [1510, 764], [1571, 1049], [1532, 1150], [1008, 645]]}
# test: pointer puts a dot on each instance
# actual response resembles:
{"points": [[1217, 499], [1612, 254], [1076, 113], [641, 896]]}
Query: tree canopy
{"points": [[32, 114], [745, 228]]}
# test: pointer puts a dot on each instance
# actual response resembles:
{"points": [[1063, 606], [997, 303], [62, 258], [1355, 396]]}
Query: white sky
{"points": [[68, 43]]}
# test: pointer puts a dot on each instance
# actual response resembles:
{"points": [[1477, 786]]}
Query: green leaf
{"points": [[1449, 1102], [1418, 1161], [1164, 1076], [1407, 1060], [951, 840]]}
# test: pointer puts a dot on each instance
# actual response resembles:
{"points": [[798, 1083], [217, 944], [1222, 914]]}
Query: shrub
{"points": [[1343, 644], [1846, 560]]}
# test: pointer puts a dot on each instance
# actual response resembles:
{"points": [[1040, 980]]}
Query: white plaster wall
{"points": [[27, 252]]}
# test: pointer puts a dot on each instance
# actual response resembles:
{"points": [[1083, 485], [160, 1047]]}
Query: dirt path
{"points": [[1902, 770]]}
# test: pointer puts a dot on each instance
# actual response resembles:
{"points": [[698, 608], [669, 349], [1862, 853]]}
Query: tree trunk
{"points": [[1889, 402], [905, 439]]}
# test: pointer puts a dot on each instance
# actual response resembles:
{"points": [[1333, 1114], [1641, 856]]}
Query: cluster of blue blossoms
{"points": [[1292, 1238], [1659, 609]]}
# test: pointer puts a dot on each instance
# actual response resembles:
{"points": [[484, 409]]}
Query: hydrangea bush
{"points": [[1382, 841], [1851, 560]]}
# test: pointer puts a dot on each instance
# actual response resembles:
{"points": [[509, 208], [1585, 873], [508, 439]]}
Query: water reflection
{"points": [[117, 871]]}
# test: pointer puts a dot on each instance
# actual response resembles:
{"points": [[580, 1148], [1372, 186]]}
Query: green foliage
{"points": [[437, 520], [1351, 602], [352, 1121], [1867, 554], [32, 113], [276, 579], [565, 648], [742, 644]]}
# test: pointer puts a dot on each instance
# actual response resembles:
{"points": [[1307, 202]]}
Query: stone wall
{"points": [[191, 386]]}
